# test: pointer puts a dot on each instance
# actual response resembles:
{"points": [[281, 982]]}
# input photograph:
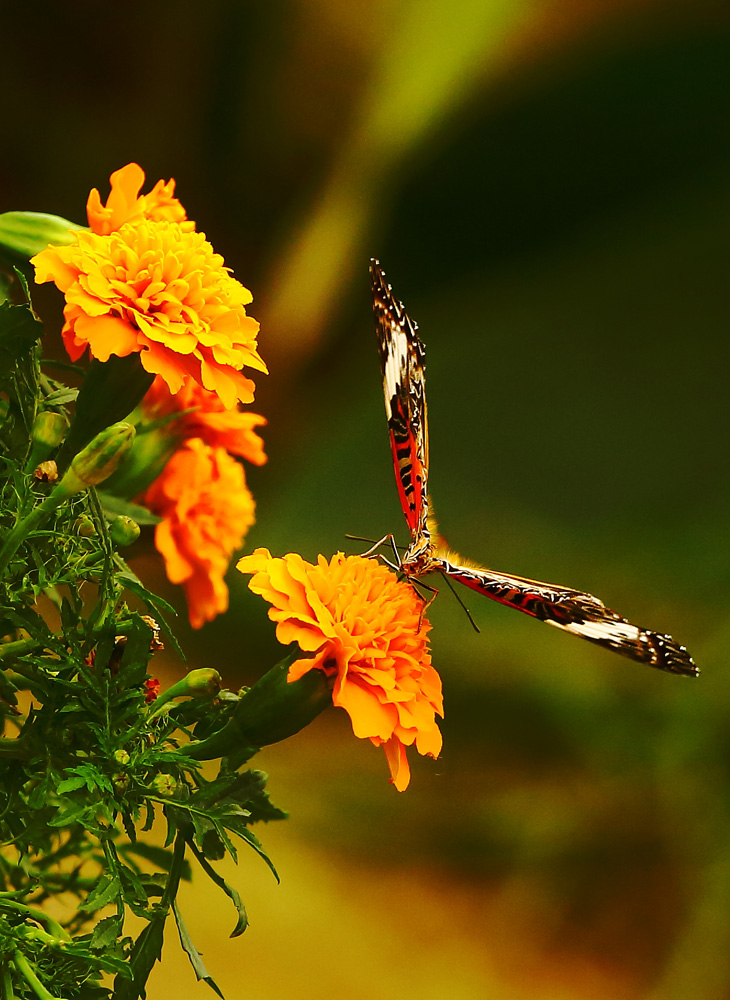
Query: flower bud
{"points": [[164, 784], [84, 526], [101, 456], [123, 530], [272, 710], [27, 233], [121, 757], [48, 431]]}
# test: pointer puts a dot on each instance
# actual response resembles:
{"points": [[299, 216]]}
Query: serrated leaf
{"points": [[105, 933], [61, 396], [237, 827], [131, 582], [146, 951], [71, 784], [106, 890], [218, 880], [72, 814], [201, 973]]}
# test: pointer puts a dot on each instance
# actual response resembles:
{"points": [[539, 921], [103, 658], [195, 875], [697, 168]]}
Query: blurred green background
{"points": [[547, 186]]}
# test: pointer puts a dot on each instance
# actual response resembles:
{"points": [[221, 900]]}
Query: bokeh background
{"points": [[547, 184]]}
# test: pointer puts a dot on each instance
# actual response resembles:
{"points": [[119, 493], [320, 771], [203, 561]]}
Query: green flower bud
{"points": [[270, 711], [121, 783], [199, 682], [123, 530], [164, 784], [48, 431], [101, 456], [121, 757], [84, 526], [27, 233]]}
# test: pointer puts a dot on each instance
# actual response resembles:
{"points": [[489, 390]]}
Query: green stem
{"points": [[35, 914], [17, 648], [23, 528], [148, 946], [24, 968], [6, 984]]}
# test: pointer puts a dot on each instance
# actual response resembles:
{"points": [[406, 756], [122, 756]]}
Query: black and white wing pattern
{"points": [[402, 363]]}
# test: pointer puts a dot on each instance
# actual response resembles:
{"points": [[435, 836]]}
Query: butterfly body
{"points": [[402, 362]]}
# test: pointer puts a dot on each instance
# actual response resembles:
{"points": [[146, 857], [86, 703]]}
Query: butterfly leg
{"points": [[372, 551]]}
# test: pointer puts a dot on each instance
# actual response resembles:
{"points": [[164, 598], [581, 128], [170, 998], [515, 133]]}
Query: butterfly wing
{"points": [[577, 613], [402, 366]]}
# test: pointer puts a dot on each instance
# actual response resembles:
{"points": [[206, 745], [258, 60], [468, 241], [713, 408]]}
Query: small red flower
{"points": [[151, 690]]}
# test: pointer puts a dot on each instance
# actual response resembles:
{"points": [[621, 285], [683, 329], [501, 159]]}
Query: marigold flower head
{"points": [[206, 510], [233, 429], [366, 628], [125, 204], [155, 288]]}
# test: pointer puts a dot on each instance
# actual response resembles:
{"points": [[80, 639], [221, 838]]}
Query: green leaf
{"points": [[201, 973], [70, 785], [106, 890], [218, 880], [146, 951], [106, 933], [114, 506], [19, 331], [61, 396], [72, 814]]}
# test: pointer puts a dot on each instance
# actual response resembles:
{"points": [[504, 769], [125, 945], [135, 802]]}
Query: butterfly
{"points": [[402, 357]]}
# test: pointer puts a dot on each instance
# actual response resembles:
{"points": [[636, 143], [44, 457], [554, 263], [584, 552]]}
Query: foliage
{"points": [[86, 764]]}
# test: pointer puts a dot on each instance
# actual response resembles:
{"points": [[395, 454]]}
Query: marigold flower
{"points": [[125, 204], [155, 288], [366, 628], [206, 510], [233, 429]]}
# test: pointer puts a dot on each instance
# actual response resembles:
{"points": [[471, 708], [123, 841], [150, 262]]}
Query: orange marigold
{"points": [[209, 420], [206, 510], [153, 287], [366, 628], [125, 204]]}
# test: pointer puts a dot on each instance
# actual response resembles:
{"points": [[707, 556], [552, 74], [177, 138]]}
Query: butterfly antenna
{"points": [[374, 545], [467, 612]]}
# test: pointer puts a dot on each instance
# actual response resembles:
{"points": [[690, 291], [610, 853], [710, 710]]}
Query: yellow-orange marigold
{"points": [[125, 204], [158, 289], [209, 420], [206, 510], [365, 627]]}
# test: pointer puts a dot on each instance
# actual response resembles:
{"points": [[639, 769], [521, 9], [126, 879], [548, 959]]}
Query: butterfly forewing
{"points": [[576, 612], [402, 357], [401, 363]]}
